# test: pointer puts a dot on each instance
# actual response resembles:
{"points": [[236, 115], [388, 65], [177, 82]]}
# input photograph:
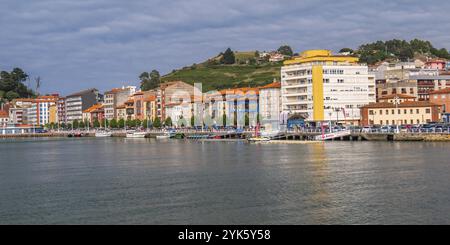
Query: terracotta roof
{"points": [[442, 91], [150, 98], [120, 106], [139, 93], [401, 105], [272, 85], [93, 108], [236, 90], [130, 101], [401, 96]]}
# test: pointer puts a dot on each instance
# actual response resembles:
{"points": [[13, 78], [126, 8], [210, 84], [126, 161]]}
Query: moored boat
{"points": [[136, 134], [101, 134]]}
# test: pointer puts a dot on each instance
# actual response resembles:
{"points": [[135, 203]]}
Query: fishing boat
{"points": [[101, 134], [136, 134], [166, 135]]}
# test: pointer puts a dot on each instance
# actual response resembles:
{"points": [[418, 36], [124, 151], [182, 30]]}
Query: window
{"points": [[393, 111], [428, 110], [405, 111], [411, 111], [399, 111], [370, 112], [417, 111], [381, 112], [387, 112]]}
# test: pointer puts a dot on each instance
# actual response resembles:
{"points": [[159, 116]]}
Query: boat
{"points": [[103, 134], [258, 139], [163, 137], [257, 136], [136, 134]]}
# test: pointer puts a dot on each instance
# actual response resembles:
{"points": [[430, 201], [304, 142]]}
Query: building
{"points": [[237, 105], [397, 98], [4, 118], [16, 115], [395, 86], [442, 98], [438, 64], [121, 112], [38, 111], [270, 105], [62, 110], [115, 98], [78, 102], [150, 108], [174, 92], [320, 86], [407, 112], [427, 84], [94, 113], [129, 109]]}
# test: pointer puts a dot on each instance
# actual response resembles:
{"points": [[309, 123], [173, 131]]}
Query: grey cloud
{"points": [[106, 43]]}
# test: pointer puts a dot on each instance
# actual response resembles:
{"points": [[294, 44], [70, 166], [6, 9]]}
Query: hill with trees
{"points": [[397, 50], [230, 69], [12, 85]]}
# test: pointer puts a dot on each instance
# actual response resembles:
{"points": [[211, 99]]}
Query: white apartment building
{"points": [[270, 105], [115, 98], [324, 87]]}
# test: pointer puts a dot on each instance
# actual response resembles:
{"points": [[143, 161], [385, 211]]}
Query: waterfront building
{"points": [[400, 113], [93, 113], [121, 112], [442, 98], [150, 108], [270, 105], [320, 87], [138, 103], [174, 92], [78, 102], [17, 114], [129, 109], [238, 104], [38, 111], [427, 84], [180, 113], [61, 110], [4, 118], [116, 97], [397, 98]]}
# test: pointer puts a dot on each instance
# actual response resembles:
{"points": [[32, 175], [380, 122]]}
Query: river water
{"points": [[145, 181]]}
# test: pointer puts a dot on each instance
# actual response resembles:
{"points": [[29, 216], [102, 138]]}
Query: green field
{"points": [[227, 76]]}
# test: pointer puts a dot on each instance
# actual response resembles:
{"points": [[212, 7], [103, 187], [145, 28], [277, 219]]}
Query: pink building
{"points": [[436, 64]]}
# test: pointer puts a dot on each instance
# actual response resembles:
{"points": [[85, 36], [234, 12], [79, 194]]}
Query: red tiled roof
{"points": [[93, 108], [401, 105], [272, 85], [401, 96]]}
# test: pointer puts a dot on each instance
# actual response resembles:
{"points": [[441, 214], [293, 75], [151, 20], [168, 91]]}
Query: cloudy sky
{"points": [[76, 44]]}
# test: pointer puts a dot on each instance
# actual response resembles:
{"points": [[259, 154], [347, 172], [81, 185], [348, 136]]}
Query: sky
{"points": [[78, 44]]}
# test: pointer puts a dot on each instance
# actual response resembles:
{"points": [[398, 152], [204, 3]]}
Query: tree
{"points": [[247, 120], [113, 123], [121, 123], [224, 120], [168, 122], [145, 123], [11, 83], [157, 123], [81, 124], [346, 50], [228, 57], [10, 95], [150, 80], [96, 123], [286, 50], [75, 124]]}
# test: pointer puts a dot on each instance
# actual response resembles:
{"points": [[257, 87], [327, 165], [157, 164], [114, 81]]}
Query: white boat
{"points": [[162, 136], [134, 134], [103, 134], [258, 139]]}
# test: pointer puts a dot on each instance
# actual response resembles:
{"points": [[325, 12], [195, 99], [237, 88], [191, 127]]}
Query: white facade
{"points": [[346, 88], [270, 106]]}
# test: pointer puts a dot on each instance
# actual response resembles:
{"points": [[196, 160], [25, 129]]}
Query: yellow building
{"points": [[53, 114], [321, 86]]}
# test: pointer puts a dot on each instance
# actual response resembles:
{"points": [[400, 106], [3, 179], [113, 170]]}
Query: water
{"points": [[142, 181]]}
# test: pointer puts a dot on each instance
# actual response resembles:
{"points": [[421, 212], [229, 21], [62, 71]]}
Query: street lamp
{"points": [[397, 102]]}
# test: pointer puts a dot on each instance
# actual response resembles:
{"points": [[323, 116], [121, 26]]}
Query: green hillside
{"points": [[219, 76]]}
